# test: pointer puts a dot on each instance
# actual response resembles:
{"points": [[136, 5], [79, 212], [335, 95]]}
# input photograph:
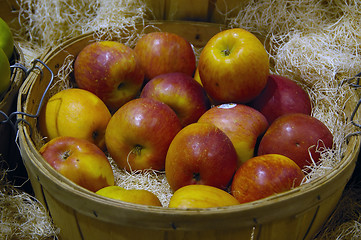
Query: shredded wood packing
{"points": [[22, 215], [311, 41]]}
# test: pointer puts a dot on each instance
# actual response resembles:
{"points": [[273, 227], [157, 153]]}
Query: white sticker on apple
{"points": [[227, 105]]}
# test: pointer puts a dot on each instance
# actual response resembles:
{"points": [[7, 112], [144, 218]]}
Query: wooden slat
{"points": [[9, 11], [226, 9], [156, 9], [64, 217], [196, 10]]}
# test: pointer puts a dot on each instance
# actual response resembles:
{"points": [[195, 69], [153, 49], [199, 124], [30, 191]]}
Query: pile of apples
{"points": [[224, 130]]}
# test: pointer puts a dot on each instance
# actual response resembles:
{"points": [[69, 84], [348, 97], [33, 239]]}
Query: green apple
{"points": [[6, 39], [4, 72]]}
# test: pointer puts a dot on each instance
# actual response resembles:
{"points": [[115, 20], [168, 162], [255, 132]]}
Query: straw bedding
{"points": [[314, 42], [22, 217]]}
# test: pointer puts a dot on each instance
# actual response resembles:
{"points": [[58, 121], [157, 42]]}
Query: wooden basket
{"points": [[8, 100], [9, 12], [200, 10], [81, 214]]}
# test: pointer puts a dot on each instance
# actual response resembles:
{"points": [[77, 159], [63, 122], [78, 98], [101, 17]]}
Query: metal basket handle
{"points": [[12, 119]]}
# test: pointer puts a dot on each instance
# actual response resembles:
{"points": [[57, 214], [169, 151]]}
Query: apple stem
{"points": [[137, 149], [196, 176], [226, 52], [95, 135], [120, 86], [66, 154]]}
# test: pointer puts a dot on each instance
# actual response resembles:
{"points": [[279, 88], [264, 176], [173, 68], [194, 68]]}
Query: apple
{"points": [[281, 96], [5, 73], [111, 71], [80, 161], [165, 52], [138, 196], [75, 112], [6, 39], [297, 136], [242, 124], [265, 175], [181, 92], [197, 77], [139, 133], [201, 196], [200, 154], [233, 66]]}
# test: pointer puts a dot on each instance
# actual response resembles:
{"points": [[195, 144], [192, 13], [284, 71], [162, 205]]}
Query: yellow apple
{"points": [[197, 77], [4, 72], [201, 196], [77, 113], [138, 196], [233, 66], [6, 39]]}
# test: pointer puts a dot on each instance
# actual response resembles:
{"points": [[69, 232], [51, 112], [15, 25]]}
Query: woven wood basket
{"points": [[8, 100], [200, 10], [81, 214], [9, 12]]}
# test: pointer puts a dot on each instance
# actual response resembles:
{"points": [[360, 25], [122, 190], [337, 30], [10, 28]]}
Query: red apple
{"points": [[281, 96], [164, 52], [233, 66], [181, 92], [265, 175], [200, 154], [242, 124], [80, 161], [111, 71], [139, 133], [296, 135]]}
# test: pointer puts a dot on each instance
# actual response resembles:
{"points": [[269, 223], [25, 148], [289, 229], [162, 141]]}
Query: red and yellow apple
{"points": [[297, 136], [181, 92], [138, 196], [265, 175], [80, 161], [201, 196], [165, 52], [200, 154], [111, 71], [139, 133], [281, 96], [77, 113], [242, 124], [233, 66]]}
